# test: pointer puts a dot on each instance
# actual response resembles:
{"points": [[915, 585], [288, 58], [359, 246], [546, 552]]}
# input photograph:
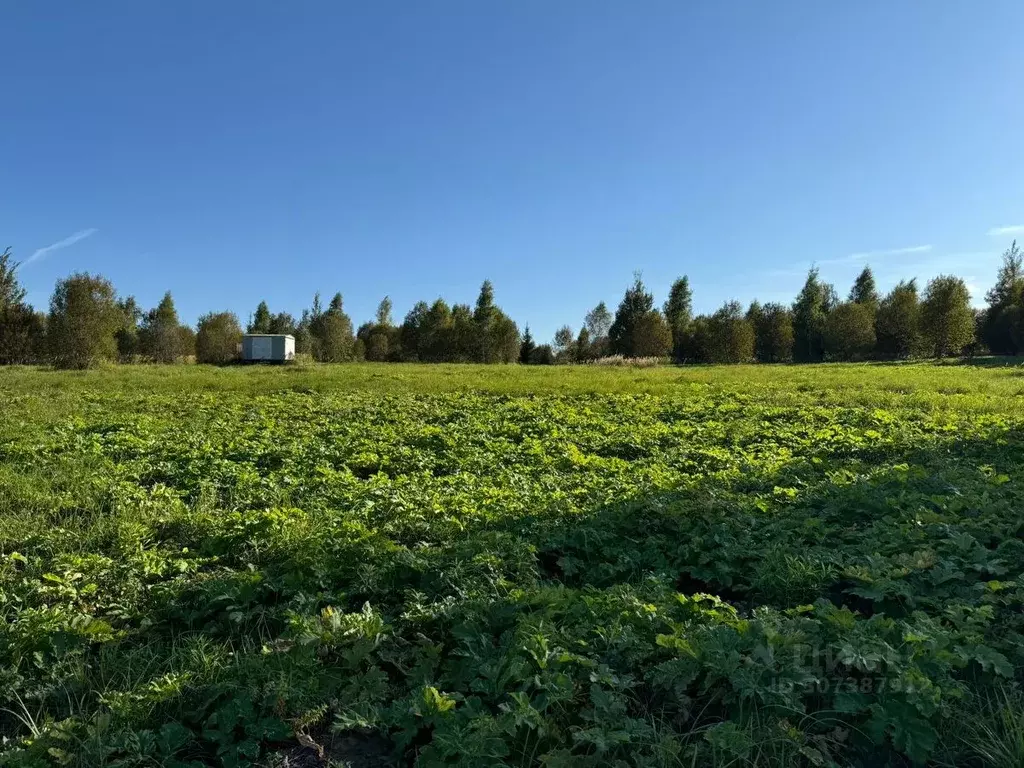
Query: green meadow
{"points": [[458, 565]]}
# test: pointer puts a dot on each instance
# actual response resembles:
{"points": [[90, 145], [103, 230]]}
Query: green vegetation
{"points": [[89, 324], [474, 566]]}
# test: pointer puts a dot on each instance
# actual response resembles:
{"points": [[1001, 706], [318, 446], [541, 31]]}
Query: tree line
{"points": [[88, 323], [818, 326]]}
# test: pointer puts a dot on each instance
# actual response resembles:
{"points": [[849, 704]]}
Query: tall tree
{"points": [[898, 322], [725, 337], [380, 338], [127, 334], [850, 331], [1001, 326], [411, 332], [83, 319], [773, 332], [526, 347], [497, 336], [186, 340], [331, 332], [812, 305], [483, 317], [678, 312], [21, 328], [463, 342], [864, 291], [11, 291], [635, 304], [946, 316], [384, 312], [582, 348], [261, 319], [284, 323], [598, 321], [563, 343], [160, 337], [303, 338], [651, 336], [505, 339], [435, 333]]}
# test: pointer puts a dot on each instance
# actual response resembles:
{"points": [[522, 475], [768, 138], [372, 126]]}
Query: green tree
{"points": [[563, 344], [380, 338], [186, 340], [411, 334], [303, 337], [651, 335], [700, 343], [637, 303], [598, 322], [946, 316], [898, 322], [729, 336], [368, 345], [864, 291], [497, 336], [384, 313], [261, 319], [127, 335], [678, 312], [582, 348], [435, 333], [505, 339], [283, 323], [83, 319], [543, 355], [812, 305], [217, 338], [849, 332], [160, 336], [11, 291], [483, 317], [526, 347], [305, 342], [463, 343], [773, 332], [331, 332], [21, 328], [1001, 328]]}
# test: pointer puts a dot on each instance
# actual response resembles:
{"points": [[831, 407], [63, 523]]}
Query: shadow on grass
{"points": [[582, 637], [881, 553], [992, 361]]}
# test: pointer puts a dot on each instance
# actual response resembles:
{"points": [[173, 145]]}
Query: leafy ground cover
{"points": [[387, 565]]}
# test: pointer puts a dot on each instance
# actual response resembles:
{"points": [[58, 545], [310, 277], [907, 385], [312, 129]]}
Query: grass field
{"points": [[374, 565]]}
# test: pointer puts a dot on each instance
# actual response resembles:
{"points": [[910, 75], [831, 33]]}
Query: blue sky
{"points": [[233, 151]]}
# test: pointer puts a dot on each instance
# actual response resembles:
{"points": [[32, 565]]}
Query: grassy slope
{"points": [[219, 512]]}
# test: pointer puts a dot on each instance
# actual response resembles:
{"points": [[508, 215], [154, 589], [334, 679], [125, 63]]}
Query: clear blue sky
{"points": [[233, 151]]}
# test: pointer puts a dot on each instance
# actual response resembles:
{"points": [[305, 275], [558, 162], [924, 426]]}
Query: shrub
{"points": [[218, 338]]}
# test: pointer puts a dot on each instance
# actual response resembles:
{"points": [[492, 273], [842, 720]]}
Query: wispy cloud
{"points": [[889, 252], [1010, 230], [67, 241], [801, 269]]}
